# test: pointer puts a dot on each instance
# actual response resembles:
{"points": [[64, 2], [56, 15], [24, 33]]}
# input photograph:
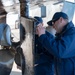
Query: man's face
{"points": [[57, 25], [40, 24]]}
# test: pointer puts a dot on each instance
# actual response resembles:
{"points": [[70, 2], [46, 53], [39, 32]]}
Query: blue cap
{"points": [[38, 20], [56, 16]]}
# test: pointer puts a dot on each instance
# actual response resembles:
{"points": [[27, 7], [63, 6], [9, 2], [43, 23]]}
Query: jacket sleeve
{"points": [[61, 48]]}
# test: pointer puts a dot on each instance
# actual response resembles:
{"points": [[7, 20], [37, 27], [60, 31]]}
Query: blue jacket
{"points": [[43, 60], [41, 54], [62, 48]]}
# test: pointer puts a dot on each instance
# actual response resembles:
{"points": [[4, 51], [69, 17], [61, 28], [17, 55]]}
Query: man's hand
{"points": [[40, 29]]}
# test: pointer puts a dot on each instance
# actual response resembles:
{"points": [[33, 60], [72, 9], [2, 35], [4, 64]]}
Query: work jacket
{"points": [[43, 61], [62, 48], [41, 54]]}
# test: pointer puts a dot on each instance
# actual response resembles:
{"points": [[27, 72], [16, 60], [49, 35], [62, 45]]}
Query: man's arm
{"points": [[61, 48]]}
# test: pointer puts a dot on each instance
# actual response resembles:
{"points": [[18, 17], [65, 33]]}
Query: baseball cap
{"points": [[38, 20], [56, 16]]}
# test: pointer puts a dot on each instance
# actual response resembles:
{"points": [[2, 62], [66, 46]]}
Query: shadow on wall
{"points": [[15, 73]]}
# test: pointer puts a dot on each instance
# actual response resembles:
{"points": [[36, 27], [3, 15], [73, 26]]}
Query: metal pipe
{"points": [[24, 5]]}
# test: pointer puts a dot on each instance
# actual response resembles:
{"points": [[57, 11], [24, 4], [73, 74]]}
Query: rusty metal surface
{"points": [[2, 10], [27, 45]]}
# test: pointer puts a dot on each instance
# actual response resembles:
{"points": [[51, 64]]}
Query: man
{"points": [[43, 60], [63, 46]]}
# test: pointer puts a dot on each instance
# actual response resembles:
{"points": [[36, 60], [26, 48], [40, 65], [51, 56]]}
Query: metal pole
{"points": [[26, 36], [24, 6]]}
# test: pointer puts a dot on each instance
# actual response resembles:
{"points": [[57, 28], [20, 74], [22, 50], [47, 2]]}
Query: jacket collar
{"points": [[66, 27]]}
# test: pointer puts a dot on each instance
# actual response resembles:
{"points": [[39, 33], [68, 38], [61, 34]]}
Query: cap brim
{"points": [[49, 23]]}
